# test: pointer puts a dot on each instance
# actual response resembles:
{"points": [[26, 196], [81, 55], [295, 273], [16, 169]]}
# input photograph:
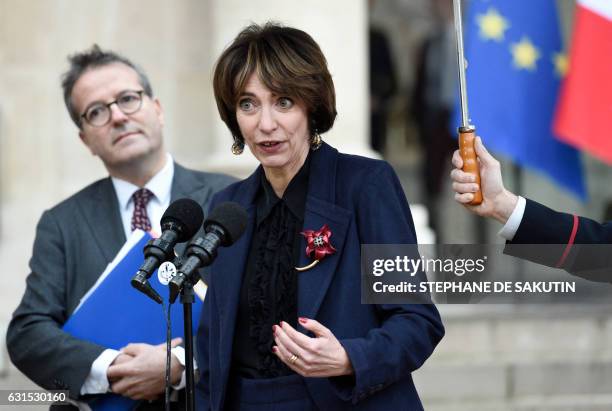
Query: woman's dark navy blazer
{"points": [[362, 202]]}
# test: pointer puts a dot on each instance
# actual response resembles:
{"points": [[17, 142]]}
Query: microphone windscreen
{"points": [[232, 217], [186, 214]]}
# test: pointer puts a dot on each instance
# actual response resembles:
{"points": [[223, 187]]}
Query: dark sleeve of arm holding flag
{"points": [[579, 245]]}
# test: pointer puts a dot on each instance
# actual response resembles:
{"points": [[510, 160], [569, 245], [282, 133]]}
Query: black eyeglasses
{"points": [[100, 114]]}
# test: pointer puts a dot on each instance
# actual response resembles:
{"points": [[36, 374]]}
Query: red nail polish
{"points": [[274, 349], [303, 320]]}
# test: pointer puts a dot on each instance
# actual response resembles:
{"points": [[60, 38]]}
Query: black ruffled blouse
{"points": [[268, 293]]}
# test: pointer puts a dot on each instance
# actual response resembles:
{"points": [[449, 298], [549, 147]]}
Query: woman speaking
{"points": [[282, 326]]}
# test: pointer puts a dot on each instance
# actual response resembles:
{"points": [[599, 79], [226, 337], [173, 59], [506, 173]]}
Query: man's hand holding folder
{"points": [[138, 372]]}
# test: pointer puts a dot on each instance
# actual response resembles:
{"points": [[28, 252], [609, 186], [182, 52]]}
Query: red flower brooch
{"points": [[317, 242]]}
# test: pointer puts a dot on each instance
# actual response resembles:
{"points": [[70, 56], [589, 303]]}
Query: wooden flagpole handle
{"points": [[468, 154]]}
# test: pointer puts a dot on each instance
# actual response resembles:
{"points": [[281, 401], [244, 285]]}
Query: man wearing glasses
{"points": [[111, 102]]}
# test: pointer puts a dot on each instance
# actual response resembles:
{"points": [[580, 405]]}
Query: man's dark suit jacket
{"points": [[581, 246], [362, 202], [75, 241]]}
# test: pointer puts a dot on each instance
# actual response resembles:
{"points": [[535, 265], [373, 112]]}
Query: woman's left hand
{"points": [[322, 356]]}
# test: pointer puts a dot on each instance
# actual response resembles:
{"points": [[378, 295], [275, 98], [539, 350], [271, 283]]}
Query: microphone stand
{"points": [[182, 285], [187, 299]]}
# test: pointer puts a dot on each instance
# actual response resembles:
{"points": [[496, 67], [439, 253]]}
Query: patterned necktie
{"points": [[140, 219]]}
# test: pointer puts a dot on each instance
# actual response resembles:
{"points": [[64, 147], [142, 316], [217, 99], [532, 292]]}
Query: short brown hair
{"points": [[287, 61]]}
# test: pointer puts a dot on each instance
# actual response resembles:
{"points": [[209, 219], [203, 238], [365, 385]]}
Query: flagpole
{"points": [[519, 267], [467, 132]]}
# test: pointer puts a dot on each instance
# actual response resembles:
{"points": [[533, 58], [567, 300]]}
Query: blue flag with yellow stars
{"points": [[515, 64]]}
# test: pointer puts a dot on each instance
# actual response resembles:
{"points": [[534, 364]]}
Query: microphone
{"points": [[179, 223], [223, 227]]}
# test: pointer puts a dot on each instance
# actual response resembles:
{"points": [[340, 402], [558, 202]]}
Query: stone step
{"points": [[487, 333], [512, 382], [520, 358], [558, 403]]}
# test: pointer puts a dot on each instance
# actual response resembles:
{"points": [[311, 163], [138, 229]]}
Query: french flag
{"points": [[584, 111]]}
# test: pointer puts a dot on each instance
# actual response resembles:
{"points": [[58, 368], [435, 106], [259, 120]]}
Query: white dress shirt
{"points": [[161, 186], [509, 229]]}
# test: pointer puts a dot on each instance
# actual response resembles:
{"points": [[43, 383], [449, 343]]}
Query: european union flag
{"points": [[515, 64]]}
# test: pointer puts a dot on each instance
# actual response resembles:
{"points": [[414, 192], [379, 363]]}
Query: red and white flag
{"points": [[584, 112]]}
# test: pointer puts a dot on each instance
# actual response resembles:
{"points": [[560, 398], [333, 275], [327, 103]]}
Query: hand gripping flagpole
{"points": [[467, 132]]}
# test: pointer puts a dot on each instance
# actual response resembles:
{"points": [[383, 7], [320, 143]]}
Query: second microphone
{"points": [[223, 227]]}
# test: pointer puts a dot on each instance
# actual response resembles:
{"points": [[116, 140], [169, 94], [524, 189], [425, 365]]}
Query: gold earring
{"points": [[315, 141], [237, 148]]}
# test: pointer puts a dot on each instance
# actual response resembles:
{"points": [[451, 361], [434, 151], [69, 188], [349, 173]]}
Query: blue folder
{"points": [[115, 314]]}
